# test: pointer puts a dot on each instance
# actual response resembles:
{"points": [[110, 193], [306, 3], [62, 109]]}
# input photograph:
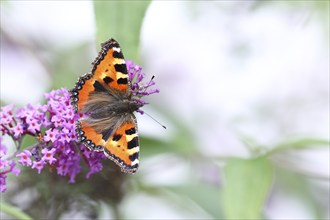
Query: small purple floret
{"points": [[139, 88]]}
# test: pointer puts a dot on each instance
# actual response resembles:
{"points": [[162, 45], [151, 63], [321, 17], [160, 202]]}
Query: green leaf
{"points": [[247, 183], [69, 64], [202, 194], [152, 146], [13, 211], [121, 20], [302, 143], [28, 141], [181, 147], [300, 187]]}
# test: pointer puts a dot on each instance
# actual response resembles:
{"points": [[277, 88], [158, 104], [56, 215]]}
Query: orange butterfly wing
{"points": [[123, 147], [109, 69]]}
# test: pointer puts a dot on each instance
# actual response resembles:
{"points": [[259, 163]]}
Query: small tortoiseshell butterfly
{"points": [[103, 98]]}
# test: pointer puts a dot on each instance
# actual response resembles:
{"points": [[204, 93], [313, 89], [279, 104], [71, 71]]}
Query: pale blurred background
{"points": [[239, 77]]}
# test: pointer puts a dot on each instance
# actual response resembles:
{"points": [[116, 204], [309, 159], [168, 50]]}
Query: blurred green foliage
{"points": [[14, 211], [247, 182], [68, 64], [121, 20], [239, 193], [246, 186]]}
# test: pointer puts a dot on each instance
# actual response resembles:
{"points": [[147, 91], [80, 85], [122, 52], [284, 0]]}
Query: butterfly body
{"points": [[104, 99]]}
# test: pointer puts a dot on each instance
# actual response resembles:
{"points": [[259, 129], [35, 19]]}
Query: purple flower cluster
{"points": [[139, 88], [53, 124]]}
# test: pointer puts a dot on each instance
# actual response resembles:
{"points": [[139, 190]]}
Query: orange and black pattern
{"points": [[103, 98]]}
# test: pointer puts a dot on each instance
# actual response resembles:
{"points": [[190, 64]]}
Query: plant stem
{"points": [[13, 211]]}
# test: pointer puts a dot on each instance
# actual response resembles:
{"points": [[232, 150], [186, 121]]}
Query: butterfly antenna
{"points": [[147, 86], [155, 120], [150, 80]]}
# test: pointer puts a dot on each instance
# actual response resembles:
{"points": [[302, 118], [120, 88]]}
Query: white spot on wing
{"points": [[136, 161], [116, 49]]}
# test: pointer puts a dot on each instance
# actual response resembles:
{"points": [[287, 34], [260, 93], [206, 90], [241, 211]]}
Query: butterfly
{"points": [[103, 98]]}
